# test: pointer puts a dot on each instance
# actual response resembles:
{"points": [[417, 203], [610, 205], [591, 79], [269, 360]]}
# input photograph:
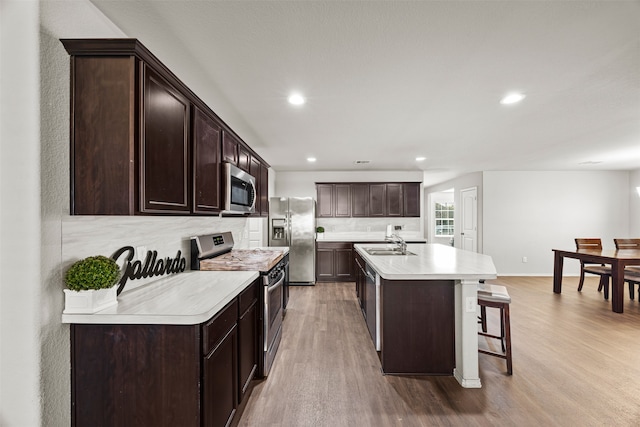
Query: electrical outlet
{"points": [[524, 259], [471, 305]]}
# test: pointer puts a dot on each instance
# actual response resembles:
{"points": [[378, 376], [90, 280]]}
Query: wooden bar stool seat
{"points": [[496, 296]]}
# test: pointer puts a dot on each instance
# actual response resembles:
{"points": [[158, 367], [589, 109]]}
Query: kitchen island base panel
{"points": [[417, 327], [466, 300]]}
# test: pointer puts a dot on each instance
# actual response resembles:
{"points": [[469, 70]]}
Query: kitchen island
{"points": [[426, 309]]}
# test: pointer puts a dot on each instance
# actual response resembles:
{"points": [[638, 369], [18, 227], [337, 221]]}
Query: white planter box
{"points": [[82, 302]]}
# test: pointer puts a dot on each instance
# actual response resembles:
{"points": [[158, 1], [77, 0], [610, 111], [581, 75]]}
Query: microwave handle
{"points": [[255, 196]]}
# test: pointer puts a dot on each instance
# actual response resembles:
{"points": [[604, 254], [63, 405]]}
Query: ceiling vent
{"points": [[361, 162]]}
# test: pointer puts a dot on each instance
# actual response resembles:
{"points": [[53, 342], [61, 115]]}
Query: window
{"points": [[444, 219]]}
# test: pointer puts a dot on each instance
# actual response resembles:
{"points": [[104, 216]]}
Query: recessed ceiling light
{"points": [[296, 99], [590, 162], [512, 98], [311, 159], [420, 159]]}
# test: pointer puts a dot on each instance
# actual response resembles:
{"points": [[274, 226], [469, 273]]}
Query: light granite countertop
{"points": [[430, 262], [187, 298]]}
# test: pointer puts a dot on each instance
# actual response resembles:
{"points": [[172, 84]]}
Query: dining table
{"points": [[618, 259]]}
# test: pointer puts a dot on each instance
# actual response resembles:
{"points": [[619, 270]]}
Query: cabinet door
{"points": [[254, 170], [343, 260], [324, 265], [377, 199], [342, 194], [147, 373], [207, 137], [244, 158], [103, 178], [247, 349], [264, 190], [164, 148], [220, 383], [229, 149], [324, 196], [411, 199], [394, 204], [359, 200]]}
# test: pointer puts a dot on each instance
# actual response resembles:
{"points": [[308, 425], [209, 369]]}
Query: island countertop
{"points": [[430, 262], [187, 298]]}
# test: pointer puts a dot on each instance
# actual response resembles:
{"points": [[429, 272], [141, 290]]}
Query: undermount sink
{"points": [[386, 251]]}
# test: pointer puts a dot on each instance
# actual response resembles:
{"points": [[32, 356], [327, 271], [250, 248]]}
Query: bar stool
{"points": [[496, 296]]}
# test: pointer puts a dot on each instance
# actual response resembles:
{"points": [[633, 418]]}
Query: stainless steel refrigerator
{"points": [[292, 223]]}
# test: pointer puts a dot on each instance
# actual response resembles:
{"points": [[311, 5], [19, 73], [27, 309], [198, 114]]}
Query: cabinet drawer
{"points": [[248, 296], [334, 245], [217, 328]]}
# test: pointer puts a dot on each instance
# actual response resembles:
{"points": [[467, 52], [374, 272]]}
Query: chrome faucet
{"points": [[399, 241]]}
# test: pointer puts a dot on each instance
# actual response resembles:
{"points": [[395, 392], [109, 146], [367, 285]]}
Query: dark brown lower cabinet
{"points": [[219, 397], [166, 375], [126, 375], [248, 336], [334, 262]]}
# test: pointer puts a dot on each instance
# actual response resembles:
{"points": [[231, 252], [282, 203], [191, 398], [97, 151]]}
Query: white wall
{"points": [[20, 289], [634, 204], [531, 213]]}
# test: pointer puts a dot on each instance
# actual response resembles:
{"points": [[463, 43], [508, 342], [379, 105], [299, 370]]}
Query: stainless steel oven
{"points": [[215, 252], [274, 293]]}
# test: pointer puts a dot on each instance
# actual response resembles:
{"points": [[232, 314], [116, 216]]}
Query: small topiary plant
{"points": [[319, 229], [95, 272]]}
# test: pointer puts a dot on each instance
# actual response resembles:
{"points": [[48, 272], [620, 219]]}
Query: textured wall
{"points": [[527, 214]]}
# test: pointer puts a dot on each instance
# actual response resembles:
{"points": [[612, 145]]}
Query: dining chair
{"points": [[599, 269], [631, 273]]}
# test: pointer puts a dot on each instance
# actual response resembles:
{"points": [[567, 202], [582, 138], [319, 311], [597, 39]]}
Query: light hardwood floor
{"points": [[575, 362]]}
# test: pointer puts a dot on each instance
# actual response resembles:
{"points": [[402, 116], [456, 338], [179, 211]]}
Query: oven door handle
{"points": [[276, 285]]}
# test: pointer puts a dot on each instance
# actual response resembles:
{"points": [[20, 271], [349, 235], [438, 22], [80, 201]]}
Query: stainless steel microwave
{"points": [[240, 190]]}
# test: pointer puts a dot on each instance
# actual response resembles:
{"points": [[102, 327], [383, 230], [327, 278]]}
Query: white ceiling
{"points": [[388, 81]]}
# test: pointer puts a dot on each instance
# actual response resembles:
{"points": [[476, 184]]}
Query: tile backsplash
{"points": [[84, 236], [373, 225]]}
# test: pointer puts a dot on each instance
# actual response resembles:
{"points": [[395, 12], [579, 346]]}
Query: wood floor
{"points": [[575, 362]]}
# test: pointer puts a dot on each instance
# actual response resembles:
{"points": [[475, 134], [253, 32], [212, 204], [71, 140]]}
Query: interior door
{"points": [[469, 219]]}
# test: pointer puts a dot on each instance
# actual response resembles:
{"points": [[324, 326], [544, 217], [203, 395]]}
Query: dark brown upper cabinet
{"points": [[394, 205], [264, 190], [342, 194], [207, 141], [359, 200], [377, 199], [324, 197], [411, 199], [244, 159], [164, 147], [229, 148], [135, 147]]}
